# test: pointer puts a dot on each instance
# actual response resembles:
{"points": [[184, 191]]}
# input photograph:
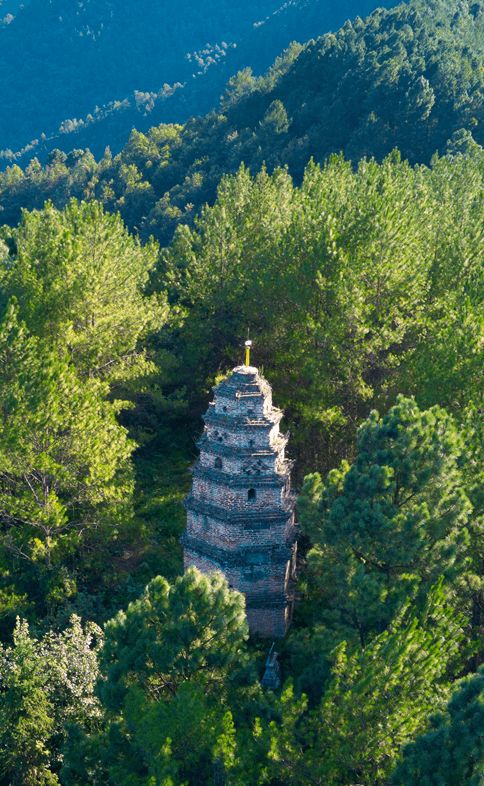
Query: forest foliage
{"points": [[160, 62], [71, 42], [362, 294], [356, 285], [361, 284], [409, 77]]}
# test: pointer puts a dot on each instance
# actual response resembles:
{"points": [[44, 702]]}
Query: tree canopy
{"points": [[73, 310], [388, 526], [78, 75], [407, 77], [46, 685], [451, 751], [356, 285], [170, 668]]}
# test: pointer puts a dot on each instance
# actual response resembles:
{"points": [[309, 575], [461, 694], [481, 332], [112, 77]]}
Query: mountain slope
{"points": [[409, 77], [83, 54], [76, 74], [9, 9]]}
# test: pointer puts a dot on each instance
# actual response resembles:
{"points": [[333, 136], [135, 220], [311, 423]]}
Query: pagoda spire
{"points": [[248, 348]]}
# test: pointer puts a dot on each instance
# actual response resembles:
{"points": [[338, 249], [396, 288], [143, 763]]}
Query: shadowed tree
{"points": [[389, 525], [173, 668], [451, 751]]}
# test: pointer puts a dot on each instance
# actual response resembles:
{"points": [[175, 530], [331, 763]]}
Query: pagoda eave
{"points": [[240, 557], [234, 451], [220, 418], [201, 471], [252, 519]]}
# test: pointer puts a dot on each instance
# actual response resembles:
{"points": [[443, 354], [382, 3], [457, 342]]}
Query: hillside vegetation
{"points": [[361, 282], [95, 68], [409, 77], [363, 289]]}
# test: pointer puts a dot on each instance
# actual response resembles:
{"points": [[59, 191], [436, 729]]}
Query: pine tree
{"points": [[80, 281], [64, 464], [388, 526], [451, 751], [171, 667], [376, 701]]}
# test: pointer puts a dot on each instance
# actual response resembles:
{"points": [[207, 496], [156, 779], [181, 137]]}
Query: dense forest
{"points": [[409, 78], [334, 208], [96, 69]]}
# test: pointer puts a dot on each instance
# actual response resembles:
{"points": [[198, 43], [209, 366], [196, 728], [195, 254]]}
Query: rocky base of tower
{"points": [[269, 623], [269, 613]]}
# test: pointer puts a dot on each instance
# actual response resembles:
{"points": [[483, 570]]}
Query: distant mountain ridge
{"points": [[410, 78], [76, 74]]}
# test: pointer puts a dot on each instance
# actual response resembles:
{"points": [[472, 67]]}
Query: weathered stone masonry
{"points": [[240, 512]]}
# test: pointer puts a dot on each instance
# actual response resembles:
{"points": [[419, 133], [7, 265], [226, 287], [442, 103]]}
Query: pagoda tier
{"points": [[240, 512]]}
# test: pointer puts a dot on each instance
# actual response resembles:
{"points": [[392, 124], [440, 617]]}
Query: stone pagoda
{"points": [[240, 512]]}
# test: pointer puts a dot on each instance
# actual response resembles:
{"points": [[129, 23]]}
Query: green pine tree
{"points": [[451, 751], [80, 281], [376, 701], [174, 668], [65, 473], [389, 525]]}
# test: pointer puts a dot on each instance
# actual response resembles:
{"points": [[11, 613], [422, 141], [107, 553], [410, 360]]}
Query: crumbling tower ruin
{"points": [[241, 509]]}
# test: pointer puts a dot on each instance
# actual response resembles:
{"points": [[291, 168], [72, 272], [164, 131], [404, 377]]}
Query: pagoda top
{"points": [[244, 381], [250, 370], [243, 399]]}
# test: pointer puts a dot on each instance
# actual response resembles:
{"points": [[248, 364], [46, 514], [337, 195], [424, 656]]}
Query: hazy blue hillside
{"points": [[9, 9], [407, 77], [77, 74]]}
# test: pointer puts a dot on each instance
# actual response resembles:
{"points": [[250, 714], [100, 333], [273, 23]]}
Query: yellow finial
{"points": [[248, 347]]}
